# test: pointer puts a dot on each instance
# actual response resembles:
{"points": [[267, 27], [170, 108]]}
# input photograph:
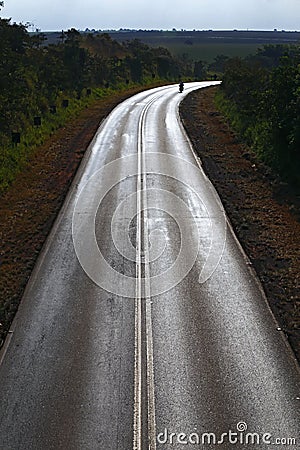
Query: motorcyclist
{"points": [[181, 86]]}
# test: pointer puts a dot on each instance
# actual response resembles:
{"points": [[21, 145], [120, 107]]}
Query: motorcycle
{"points": [[181, 87]]}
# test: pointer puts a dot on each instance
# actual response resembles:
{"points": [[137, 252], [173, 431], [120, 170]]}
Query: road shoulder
{"points": [[261, 208]]}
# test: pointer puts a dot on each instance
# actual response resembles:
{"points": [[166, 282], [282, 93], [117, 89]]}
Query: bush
{"points": [[262, 101]]}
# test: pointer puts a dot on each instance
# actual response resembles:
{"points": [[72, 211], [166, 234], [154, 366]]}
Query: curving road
{"points": [[143, 325]]}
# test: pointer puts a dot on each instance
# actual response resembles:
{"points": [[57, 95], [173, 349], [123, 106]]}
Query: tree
{"points": [[263, 102], [200, 70], [219, 63]]}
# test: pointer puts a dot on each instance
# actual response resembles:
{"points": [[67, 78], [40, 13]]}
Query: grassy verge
{"points": [[14, 157]]}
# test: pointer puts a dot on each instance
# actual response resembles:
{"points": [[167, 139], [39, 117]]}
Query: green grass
{"points": [[208, 51], [13, 158]]}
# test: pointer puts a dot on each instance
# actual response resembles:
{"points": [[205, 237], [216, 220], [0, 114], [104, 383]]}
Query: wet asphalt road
{"points": [[143, 325]]}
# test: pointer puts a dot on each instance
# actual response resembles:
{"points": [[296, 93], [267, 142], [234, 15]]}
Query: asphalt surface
{"points": [[143, 325]]}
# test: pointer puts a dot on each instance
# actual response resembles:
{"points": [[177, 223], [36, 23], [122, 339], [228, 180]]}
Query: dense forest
{"points": [[261, 96], [40, 84]]}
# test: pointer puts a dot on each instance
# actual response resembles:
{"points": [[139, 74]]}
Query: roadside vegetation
{"points": [[41, 87], [260, 95]]}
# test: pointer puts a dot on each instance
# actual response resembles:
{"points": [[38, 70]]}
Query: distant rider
{"points": [[181, 86]]}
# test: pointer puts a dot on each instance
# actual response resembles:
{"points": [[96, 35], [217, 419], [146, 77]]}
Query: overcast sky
{"points": [[156, 14]]}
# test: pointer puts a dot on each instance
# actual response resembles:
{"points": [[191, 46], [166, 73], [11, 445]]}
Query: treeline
{"points": [[261, 97], [38, 81]]}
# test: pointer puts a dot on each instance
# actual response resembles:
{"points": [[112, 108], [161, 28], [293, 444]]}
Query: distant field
{"points": [[208, 51], [200, 45], [206, 45]]}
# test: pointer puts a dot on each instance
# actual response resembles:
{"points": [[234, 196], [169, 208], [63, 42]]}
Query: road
{"points": [[143, 325]]}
